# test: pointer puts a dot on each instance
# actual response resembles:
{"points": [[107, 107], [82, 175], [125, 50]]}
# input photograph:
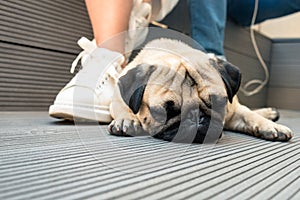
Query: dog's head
{"points": [[181, 99]]}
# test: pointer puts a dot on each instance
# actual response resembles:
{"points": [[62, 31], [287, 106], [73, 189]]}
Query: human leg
{"points": [[108, 19], [89, 93], [208, 20], [242, 11]]}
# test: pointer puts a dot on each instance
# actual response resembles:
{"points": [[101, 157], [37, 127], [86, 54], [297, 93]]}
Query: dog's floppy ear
{"points": [[230, 74], [132, 85]]}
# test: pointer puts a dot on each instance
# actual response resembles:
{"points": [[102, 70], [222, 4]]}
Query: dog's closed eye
{"points": [[165, 113]]}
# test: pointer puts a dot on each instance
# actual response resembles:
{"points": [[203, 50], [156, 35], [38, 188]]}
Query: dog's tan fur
{"points": [[186, 78]]}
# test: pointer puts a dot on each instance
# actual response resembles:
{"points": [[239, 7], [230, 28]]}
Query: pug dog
{"points": [[177, 93]]}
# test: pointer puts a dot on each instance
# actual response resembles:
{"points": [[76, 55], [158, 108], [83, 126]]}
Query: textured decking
{"points": [[43, 158]]}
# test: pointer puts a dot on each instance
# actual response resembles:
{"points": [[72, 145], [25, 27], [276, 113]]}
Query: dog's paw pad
{"points": [[278, 133], [125, 127], [116, 127]]}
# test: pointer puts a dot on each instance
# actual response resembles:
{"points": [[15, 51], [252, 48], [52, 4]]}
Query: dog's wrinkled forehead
{"points": [[160, 80], [153, 84]]}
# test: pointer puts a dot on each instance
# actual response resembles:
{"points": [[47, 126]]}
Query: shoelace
{"points": [[87, 46], [111, 73]]}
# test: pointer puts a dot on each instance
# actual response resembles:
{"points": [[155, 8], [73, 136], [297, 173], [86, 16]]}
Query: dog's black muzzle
{"points": [[195, 126]]}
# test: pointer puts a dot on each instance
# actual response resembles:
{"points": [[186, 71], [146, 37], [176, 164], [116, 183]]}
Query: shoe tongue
{"points": [[105, 59], [87, 45], [98, 64]]}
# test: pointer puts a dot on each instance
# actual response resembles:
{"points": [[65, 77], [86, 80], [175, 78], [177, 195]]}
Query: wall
{"points": [[284, 27], [37, 46], [284, 87]]}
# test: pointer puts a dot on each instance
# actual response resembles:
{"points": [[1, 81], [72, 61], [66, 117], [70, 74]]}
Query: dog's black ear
{"points": [[132, 85], [231, 76]]}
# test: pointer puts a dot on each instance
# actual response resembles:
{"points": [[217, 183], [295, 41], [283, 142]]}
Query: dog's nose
{"points": [[172, 110], [202, 128]]}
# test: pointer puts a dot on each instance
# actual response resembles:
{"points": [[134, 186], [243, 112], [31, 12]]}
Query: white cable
{"points": [[261, 84]]}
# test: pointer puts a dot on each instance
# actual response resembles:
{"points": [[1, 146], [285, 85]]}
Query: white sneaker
{"points": [[88, 95]]}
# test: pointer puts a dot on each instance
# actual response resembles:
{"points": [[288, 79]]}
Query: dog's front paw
{"points": [[276, 132], [126, 127], [269, 113]]}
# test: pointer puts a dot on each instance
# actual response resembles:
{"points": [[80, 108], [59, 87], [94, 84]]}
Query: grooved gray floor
{"points": [[43, 158]]}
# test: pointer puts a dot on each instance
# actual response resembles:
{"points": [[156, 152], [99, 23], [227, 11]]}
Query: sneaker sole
{"points": [[67, 112]]}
